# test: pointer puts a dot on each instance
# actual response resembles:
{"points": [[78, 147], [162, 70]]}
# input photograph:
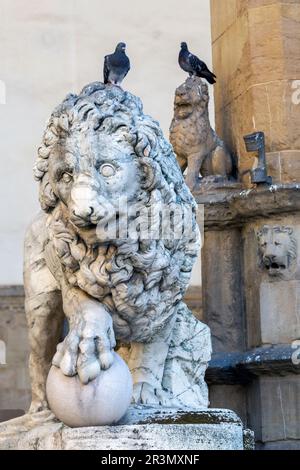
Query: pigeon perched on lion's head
{"points": [[116, 65]]}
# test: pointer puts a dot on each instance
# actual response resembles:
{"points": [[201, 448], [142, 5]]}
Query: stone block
{"points": [[279, 445], [156, 437], [280, 312], [232, 397], [290, 165], [272, 302], [222, 303], [148, 429], [265, 42], [274, 166], [223, 15], [14, 376], [280, 408], [290, 26], [231, 58], [275, 408]]}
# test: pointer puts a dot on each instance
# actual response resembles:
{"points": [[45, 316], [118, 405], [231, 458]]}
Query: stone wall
{"points": [[256, 56], [14, 380], [251, 289]]}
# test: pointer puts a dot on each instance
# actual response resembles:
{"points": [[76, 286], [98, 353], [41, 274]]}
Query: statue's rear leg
{"points": [[44, 313]]}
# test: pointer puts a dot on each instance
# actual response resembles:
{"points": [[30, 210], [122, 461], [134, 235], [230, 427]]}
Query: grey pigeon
{"points": [[194, 66], [116, 65]]}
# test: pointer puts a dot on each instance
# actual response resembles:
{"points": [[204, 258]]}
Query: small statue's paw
{"points": [[37, 406], [144, 393], [193, 183], [88, 347]]}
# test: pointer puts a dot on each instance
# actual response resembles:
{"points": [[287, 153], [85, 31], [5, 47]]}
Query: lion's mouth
{"points": [[184, 108], [275, 267], [83, 224]]}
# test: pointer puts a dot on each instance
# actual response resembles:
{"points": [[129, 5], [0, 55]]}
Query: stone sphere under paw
{"points": [[103, 401]]}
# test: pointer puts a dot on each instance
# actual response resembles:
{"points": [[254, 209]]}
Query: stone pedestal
{"points": [[143, 428], [251, 287]]}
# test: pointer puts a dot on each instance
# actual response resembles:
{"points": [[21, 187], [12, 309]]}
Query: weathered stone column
{"points": [[256, 56], [250, 258]]}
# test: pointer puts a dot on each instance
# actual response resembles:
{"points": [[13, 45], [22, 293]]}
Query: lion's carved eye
{"points": [[107, 170], [66, 177]]}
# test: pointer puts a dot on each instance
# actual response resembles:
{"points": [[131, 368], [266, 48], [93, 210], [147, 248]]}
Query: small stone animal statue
{"points": [[116, 65], [100, 155], [196, 145]]}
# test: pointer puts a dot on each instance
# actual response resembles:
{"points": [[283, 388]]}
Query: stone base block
{"points": [[146, 429]]}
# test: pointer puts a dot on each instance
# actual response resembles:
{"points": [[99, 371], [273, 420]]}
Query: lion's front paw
{"points": [[88, 347], [146, 394]]}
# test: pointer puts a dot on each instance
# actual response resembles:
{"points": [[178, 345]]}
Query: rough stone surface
{"points": [[231, 396], [251, 252], [14, 379], [274, 319], [202, 430], [237, 207], [91, 257], [257, 59], [284, 166], [157, 437], [221, 254], [140, 414], [276, 410], [279, 312]]}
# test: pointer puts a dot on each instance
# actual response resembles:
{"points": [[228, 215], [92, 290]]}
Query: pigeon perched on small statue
{"points": [[194, 66], [116, 65]]}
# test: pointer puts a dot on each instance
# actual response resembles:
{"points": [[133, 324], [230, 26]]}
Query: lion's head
{"points": [[278, 249], [99, 150], [190, 98]]}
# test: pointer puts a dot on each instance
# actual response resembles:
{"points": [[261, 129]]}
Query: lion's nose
{"points": [[83, 212], [268, 259]]}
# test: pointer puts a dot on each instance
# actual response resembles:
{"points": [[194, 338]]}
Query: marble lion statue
{"points": [[197, 146], [100, 154]]}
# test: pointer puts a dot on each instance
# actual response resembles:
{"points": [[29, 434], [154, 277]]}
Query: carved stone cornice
{"points": [[242, 367], [235, 207]]}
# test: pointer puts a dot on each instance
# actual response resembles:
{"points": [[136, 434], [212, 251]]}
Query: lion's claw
{"points": [[88, 347]]}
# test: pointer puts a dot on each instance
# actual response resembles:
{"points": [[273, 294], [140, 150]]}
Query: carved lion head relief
{"points": [[277, 249]]}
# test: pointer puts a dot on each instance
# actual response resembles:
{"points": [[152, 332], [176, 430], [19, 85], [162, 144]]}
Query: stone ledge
{"points": [[142, 414], [12, 291], [220, 430], [242, 367], [235, 207]]}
